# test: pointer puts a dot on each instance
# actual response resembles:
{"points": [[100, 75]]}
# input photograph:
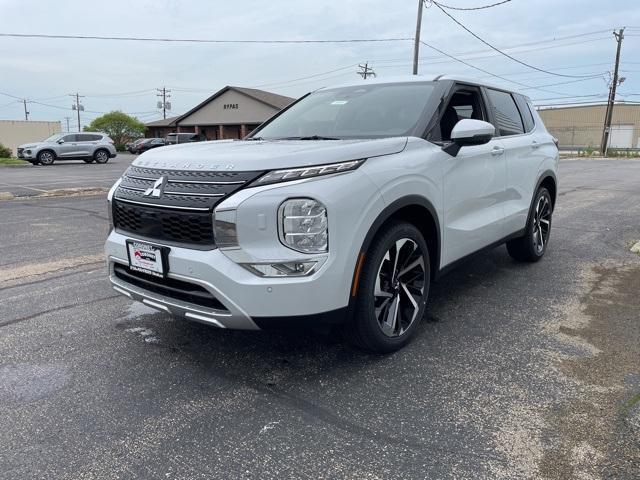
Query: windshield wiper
{"points": [[311, 137]]}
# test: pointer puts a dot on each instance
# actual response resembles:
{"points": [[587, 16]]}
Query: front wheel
{"points": [[532, 246], [46, 157], [392, 290]]}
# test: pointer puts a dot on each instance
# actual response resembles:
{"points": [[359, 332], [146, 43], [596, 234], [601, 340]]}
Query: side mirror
{"points": [[60, 142], [469, 132]]}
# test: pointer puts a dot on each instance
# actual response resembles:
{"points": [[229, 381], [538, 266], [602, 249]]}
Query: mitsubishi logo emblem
{"points": [[157, 188]]}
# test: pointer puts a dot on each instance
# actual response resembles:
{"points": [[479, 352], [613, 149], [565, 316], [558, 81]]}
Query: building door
{"points": [[621, 136]]}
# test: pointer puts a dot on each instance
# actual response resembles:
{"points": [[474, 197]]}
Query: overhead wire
{"points": [[497, 49], [475, 8]]}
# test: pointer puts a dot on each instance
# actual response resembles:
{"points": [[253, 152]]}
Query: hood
{"points": [[244, 155], [31, 145]]}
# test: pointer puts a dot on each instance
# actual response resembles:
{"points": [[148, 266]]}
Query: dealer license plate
{"points": [[146, 258]]}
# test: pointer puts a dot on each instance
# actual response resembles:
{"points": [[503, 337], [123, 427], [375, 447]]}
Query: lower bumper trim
{"points": [[332, 317]]}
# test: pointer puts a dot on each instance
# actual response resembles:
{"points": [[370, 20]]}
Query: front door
{"points": [[69, 147], [473, 182]]}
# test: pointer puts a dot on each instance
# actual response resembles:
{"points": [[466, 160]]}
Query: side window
{"points": [[505, 111], [466, 102], [83, 137], [525, 113], [70, 138]]}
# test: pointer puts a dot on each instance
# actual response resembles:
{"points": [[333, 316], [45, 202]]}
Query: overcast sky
{"points": [[122, 74]]}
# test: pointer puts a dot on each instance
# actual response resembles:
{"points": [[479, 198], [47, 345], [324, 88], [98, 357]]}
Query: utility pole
{"points": [[612, 95], [67, 119], [77, 106], [163, 104], [366, 71], [416, 45], [26, 113]]}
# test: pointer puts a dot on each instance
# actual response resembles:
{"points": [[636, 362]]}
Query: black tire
{"points": [[88, 160], [46, 157], [384, 267], [533, 244], [101, 156]]}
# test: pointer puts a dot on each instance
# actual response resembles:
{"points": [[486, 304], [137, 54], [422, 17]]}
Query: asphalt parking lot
{"points": [[33, 180], [518, 372]]}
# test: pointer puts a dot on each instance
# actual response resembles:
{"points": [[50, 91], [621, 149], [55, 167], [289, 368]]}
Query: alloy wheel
{"points": [[399, 288], [101, 157], [541, 224], [46, 158]]}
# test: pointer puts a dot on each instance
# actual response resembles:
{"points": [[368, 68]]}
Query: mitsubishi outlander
{"points": [[342, 208]]}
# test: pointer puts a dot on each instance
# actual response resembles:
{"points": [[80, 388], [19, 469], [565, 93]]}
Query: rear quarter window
{"points": [[525, 113], [505, 112]]}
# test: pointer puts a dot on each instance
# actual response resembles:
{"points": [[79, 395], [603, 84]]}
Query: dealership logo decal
{"points": [[157, 188]]}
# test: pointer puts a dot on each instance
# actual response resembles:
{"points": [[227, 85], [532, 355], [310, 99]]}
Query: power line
{"points": [[485, 71], [475, 8], [308, 76], [199, 40], [500, 51]]}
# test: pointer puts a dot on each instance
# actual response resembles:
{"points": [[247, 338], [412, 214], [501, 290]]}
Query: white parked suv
{"points": [[342, 208]]}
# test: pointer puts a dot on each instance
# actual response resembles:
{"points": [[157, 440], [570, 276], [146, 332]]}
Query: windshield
{"points": [[53, 138], [363, 111]]}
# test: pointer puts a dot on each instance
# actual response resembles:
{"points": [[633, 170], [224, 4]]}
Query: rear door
{"points": [[87, 143], [514, 122], [474, 181]]}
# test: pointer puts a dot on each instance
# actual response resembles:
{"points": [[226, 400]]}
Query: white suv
{"points": [[342, 208]]}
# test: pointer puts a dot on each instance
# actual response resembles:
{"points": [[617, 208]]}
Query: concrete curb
{"points": [[60, 192]]}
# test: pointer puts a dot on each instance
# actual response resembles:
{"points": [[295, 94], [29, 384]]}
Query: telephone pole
{"points": [[77, 106], [366, 71], [26, 113], [416, 45], [612, 95], [163, 104]]}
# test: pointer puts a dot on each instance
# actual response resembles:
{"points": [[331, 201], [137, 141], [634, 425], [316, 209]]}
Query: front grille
{"points": [[170, 226], [169, 287], [20, 152], [183, 212]]}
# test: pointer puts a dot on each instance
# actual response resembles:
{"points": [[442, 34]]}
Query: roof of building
{"points": [[164, 122], [269, 98]]}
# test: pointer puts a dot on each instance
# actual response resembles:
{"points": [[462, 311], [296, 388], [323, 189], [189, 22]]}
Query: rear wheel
{"points": [[392, 290], [101, 156], [532, 246], [46, 157]]}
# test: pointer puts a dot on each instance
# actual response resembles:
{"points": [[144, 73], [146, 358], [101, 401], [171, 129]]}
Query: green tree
{"points": [[121, 127]]}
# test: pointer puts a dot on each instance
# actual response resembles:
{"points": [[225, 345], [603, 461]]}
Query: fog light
{"points": [[304, 225], [288, 269]]}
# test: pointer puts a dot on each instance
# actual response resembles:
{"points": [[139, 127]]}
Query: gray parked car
{"points": [[87, 146]]}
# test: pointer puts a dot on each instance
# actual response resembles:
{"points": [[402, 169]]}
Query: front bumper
{"points": [[250, 302]]}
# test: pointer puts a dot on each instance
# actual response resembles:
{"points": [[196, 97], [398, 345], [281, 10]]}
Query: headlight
{"points": [[303, 225], [277, 176]]}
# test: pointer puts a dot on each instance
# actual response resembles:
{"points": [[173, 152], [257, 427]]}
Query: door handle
{"points": [[497, 151], [535, 144]]}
